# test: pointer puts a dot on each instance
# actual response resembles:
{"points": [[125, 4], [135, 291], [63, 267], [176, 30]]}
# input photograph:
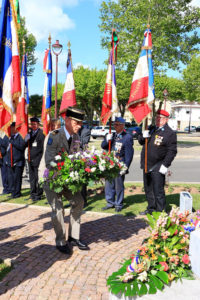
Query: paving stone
{"points": [[43, 273]]}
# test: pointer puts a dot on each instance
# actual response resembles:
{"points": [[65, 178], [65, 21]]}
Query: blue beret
{"points": [[120, 120]]}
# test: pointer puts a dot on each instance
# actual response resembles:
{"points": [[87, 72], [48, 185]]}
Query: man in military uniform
{"points": [[35, 142], [15, 161], [122, 144], [4, 169], [65, 138], [161, 151]]}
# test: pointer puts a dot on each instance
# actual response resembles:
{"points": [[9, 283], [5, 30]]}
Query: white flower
{"points": [[71, 156], [93, 170], [57, 157], [101, 168], [53, 164], [142, 276], [103, 162]]}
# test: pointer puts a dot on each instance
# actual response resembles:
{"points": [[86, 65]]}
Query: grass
{"points": [[191, 143], [134, 201], [4, 269]]}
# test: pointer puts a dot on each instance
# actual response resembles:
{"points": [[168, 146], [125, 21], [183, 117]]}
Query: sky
{"points": [[67, 20]]}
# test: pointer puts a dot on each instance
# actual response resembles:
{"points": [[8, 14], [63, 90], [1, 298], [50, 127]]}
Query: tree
{"points": [[192, 79], [173, 24], [30, 43], [35, 106]]}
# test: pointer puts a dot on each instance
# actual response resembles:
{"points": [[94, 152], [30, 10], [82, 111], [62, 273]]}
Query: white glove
{"points": [[163, 169], [146, 134], [27, 137], [109, 137]]}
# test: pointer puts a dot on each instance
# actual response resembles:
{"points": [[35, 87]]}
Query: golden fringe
{"points": [[15, 23], [5, 127]]}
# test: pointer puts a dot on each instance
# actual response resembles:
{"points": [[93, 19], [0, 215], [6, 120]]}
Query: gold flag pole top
{"points": [[24, 46], [49, 39]]}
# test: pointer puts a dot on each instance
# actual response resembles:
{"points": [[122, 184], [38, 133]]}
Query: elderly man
{"points": [[35, 142], [161, 150], [65, 138], [122, 144]]}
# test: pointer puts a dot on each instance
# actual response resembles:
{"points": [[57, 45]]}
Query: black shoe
{"points": [[64, 249], [85, 205], [78, 243], [118, 209], [143, 213], [17, 196], [107, 207]]}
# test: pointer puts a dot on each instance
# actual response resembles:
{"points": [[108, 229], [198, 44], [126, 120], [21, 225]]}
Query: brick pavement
{"points": [[43, 273]]}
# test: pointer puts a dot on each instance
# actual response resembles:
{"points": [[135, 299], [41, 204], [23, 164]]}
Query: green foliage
{"points": [[30, 45], [192, 79], [4, 270], [173, 24], [35, 106]]}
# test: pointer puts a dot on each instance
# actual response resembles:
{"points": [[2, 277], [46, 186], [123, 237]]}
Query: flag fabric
{"points": [[22, 107], [46, 106], [10, 85], [142, 89], [69, 95], [110, 101]]}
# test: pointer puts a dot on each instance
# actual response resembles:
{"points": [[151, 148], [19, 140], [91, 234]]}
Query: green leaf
{"points": [[58, 189], [174, 240], [128, 291], [172, 229], [152, 288], [143, 289], [135, 289], [158, 283], [163, 276], [116, 289], [151, 221], [156, 215]]}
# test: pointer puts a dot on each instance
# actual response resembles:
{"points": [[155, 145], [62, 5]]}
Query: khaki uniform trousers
{"points": [[57, 216]]}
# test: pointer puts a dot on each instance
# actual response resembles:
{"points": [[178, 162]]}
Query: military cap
{"points": [[34, 119], [13, 124], [120, 120], [75, 113], [162, 112]]}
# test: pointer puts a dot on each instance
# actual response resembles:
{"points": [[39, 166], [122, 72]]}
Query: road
{"points": [[183, 170]]}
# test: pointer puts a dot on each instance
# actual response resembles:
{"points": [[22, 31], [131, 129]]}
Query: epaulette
{"points": [[55, 132]]}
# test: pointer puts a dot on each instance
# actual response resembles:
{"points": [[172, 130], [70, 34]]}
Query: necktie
{"points": [[70, 141]]}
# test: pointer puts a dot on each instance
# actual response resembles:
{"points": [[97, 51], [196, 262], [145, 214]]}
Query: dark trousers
{"points": [[4, 176], [15, 180], [84, 193], [36, 191], [114, 192], [154, 183]]}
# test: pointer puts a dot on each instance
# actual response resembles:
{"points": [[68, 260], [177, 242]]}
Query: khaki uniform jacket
{"points": [[57, 142]]}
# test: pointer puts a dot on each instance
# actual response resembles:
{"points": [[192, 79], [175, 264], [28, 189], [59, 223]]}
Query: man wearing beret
{"points": [[122, 144], [35, 143], [65, 138], [161, 151]]}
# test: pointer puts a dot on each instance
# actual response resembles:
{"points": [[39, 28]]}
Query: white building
{"points": [[185, 113]]}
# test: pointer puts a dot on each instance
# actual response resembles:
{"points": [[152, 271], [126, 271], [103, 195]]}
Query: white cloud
{"points": [[47, 16]]}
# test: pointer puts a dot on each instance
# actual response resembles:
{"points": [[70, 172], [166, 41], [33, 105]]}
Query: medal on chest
{"points": [[158, 140]]}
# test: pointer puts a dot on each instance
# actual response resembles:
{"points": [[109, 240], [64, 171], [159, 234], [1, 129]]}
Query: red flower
{"points": [[88, 170], [62, 163], [186, 259], [94, 157], [58, 164], [165, 265], [176, 231], [62, 149], [104, 153], [59, 168], [112, 163]]}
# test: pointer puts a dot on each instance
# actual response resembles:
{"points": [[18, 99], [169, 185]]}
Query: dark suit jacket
{"points": [[36, 147], [125, 147], [18, 148], [84, 134], [161, 148]]}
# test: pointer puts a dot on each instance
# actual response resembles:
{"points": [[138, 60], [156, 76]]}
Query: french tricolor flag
{"points": [[22, 107], [10, 85], [69, 95], [46, 106], [142, 88]]}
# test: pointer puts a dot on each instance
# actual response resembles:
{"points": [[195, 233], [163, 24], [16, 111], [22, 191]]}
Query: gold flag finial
{"points": [[69, 45], [49, 39], [24, 46]]}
